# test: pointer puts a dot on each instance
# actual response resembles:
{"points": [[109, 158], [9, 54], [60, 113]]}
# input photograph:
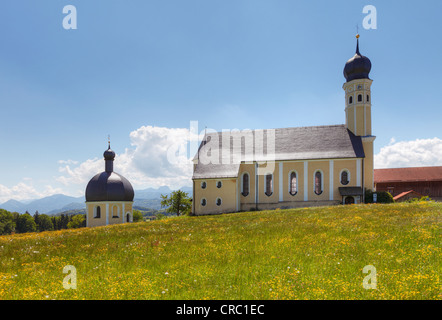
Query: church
{"points": [[291, 167], [109, 196]]}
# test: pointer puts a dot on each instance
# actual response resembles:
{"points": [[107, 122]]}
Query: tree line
{"points": [[14, 222]]}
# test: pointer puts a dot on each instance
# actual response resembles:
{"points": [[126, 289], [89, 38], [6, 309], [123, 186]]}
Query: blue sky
{"points": [[134, 65]]}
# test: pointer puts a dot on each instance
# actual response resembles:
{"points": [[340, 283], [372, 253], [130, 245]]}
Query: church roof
{"points": [[302, 143]]}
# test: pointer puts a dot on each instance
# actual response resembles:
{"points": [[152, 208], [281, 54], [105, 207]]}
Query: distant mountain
{"points": [[12, 205], [147, 198]]}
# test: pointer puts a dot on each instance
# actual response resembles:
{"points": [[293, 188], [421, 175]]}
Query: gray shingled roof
{"points": [[303, 143]]}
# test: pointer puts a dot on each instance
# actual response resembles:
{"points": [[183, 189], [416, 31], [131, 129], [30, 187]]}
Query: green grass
{"points": [[311, 253]]}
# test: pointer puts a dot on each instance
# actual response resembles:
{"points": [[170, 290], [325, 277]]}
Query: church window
{"points": [[245, 184], [350, 100], [318, 182], [269, 184], [97, 212], [115, 213], [345, 179], [219, 201], [203, 202], [368, 98], [359, 97], [293, 186], [203, 185], [219, 184]]}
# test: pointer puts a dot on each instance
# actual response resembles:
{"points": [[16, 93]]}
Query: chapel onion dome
{"points": [[109, 185], [358, 67]]}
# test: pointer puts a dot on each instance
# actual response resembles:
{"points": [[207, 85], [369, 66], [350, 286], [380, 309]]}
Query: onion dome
{"points": [[358, 67], [109, 185]]}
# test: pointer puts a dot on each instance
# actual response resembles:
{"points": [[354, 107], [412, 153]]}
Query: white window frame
{"points": [[348, 177], [314, 182], [290, 182], [265, 184], [242, 183]]}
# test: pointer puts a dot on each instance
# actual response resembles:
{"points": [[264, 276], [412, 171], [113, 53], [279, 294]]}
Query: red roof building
{"points": [[426, 181]]}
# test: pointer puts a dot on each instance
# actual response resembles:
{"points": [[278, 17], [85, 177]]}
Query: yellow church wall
{"points": [[368, 162], [350, 119], [368, 119], [268, 168], [288, 167], [120, 218], [227, 193], [360, 121], [95, 222], [250, 169], [338, 167], [324, 167]]}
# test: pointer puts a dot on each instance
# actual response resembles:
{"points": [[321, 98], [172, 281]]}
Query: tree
{"points": [[7, 224], [44, 223], [137, 216], [177, 202], [25, 223], [78, 221]]}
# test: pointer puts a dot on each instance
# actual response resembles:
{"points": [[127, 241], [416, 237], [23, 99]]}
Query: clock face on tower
{"points": [[359, 87]]}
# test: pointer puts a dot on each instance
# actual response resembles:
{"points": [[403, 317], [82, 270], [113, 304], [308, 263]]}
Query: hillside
{"points": [[310, 253]]}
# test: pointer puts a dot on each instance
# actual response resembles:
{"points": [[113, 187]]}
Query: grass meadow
{"points": [[310, 253]]}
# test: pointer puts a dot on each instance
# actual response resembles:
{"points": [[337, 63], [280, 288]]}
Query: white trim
{"points": [[237, 195], [107, 213], [281, 192], [290, 182], [123, 211], [358, 172], [322, 181], [256, 184], [305, 180], [331, 179]]}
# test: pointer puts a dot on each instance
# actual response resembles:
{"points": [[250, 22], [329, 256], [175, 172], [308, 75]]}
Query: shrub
{"points": [[383, 197]]}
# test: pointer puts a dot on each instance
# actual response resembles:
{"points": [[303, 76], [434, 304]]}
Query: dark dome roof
{"points": [[109, 186], [358, 67]]}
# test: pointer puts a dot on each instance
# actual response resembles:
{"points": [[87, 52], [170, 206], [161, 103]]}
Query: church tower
{"points": [[358, 108]]}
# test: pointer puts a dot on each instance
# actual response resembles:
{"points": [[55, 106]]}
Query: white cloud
{"points": [[415, 153], [25, 191], [158, 156]]}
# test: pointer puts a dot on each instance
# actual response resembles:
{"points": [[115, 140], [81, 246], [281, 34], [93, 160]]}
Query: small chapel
{"points": [[109, 196], [291, 167]]}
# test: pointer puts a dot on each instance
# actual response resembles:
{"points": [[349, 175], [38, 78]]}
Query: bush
{"points": [[383, 197]]}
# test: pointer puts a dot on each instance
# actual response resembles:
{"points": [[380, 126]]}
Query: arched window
{"points": [[368, 98], [245, 184], [219, 184], [350, 100], [203, 185], [269, 184], [345, 177], [203, 202], [219, 201], [97, 212], [115, 213], [318, 182], [359, 97], [293, 183], [128, 217]]}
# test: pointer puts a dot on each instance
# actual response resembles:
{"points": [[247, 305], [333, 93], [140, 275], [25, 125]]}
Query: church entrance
{"points": [[349, 200], [127, 217]]}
